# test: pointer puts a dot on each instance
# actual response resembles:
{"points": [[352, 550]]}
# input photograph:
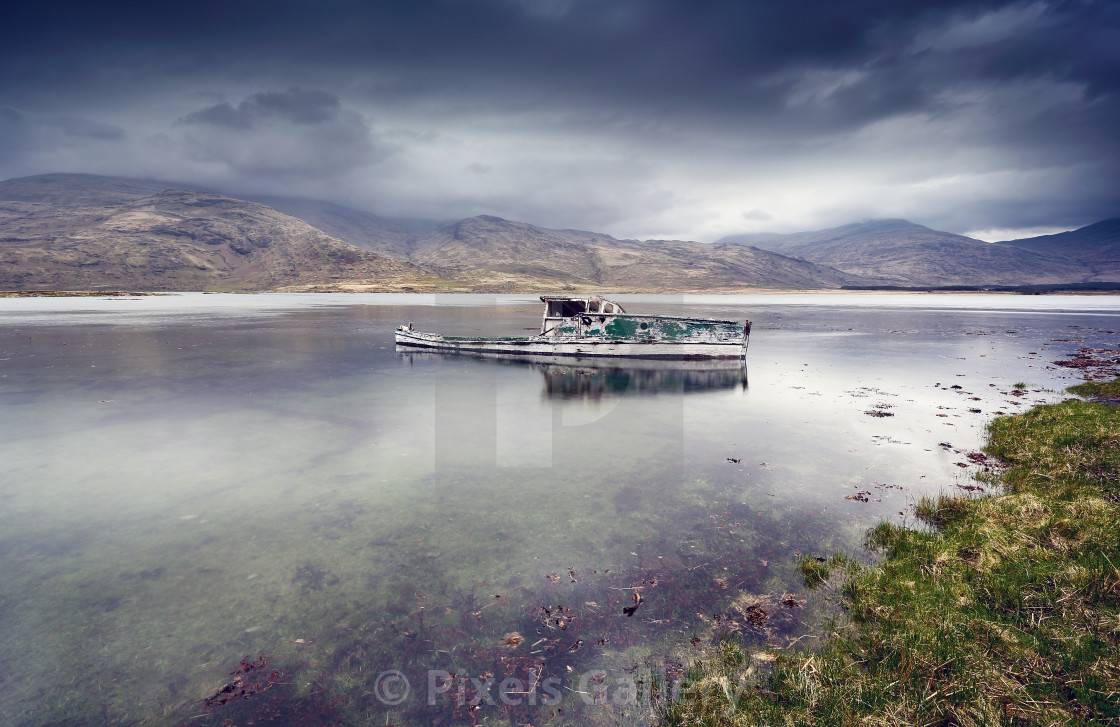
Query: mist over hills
{"points": [[394, 237], [65, 231], [486, 246], [75, 191], [87, 231], [490, 252]]}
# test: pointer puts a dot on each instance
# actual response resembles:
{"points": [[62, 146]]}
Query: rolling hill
{"points": [[910, 254], [84, 232], [70, 231], [1095, 247], [488, 247], [394, 237], [65, 231]]}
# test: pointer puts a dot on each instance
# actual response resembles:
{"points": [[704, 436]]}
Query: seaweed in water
{"points": [[252, 677], [630, 610], [242, 700], [533, 641], [312, 578]]}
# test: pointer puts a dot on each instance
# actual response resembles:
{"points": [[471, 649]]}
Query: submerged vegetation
{"points": [[574, 645], [1005, 611]]}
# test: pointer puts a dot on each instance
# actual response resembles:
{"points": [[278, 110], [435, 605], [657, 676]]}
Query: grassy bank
{"points": [[1005, 611]]}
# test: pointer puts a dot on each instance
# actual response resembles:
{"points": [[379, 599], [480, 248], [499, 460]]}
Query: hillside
{"points": [[392, 237], [910, 254], [1096, 247], [86, 231], [491, 248], [79, 232], [75, 191]]}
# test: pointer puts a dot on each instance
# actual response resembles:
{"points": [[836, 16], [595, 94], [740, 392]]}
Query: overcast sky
{"points": [[685, 119]]}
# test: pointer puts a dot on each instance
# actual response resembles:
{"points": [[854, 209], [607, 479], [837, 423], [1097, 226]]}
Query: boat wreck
{"points": [[595, 326]]}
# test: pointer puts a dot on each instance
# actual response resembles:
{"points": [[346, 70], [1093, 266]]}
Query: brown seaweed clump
{"points": [[251, 677]]}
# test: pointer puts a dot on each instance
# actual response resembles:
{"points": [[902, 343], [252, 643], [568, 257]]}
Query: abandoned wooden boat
{"points": [[595, 326]]}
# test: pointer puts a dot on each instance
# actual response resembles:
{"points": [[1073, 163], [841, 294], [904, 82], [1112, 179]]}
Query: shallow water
{"points": [[192, 480]]}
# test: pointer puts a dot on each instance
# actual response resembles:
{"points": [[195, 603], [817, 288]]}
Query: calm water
{"points": [[194, 480]]}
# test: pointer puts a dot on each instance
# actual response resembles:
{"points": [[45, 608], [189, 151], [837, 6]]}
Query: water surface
{"points": [[192, 480]]}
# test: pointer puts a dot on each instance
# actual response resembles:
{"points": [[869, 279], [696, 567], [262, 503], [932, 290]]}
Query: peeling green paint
{"points": [[672, 330], [622, 327], [667, 330]]}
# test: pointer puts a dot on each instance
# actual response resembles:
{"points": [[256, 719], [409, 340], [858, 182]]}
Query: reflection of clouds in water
{"points": [[811, 392], [586, 412], [524, 424], [575, 392], [237, 456], [401, 436]]}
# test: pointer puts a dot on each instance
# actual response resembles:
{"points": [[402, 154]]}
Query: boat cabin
{"points": [[559, 310]]}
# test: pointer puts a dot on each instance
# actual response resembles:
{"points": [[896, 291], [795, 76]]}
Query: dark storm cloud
{"points": [[21, 134], [658, 53], [79, 128], [303, 132], [296, 105], [958, 113], [13, 131]]}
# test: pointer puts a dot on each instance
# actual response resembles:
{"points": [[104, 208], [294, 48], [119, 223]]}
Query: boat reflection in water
{"points": [[574, 377]]}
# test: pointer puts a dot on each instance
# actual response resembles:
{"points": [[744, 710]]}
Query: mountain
{"points": [[79, 231], [490, 249], [76, 191], [393, 237], [64, 231], [1096, 247], [910, 254], [489, 252]]}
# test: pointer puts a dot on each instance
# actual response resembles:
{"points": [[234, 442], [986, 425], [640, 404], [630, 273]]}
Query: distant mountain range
{"points": [[75, 231], [1095, 247], [489, 253], [912, 255]]}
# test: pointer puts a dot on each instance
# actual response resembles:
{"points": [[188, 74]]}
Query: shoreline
{"points": [[1006, 610], [75, 293], [730, 292]]}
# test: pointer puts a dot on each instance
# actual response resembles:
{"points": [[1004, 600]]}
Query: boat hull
{"points": [[577, 346]]}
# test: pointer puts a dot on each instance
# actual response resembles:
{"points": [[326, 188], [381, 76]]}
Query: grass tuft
{"points": [[1097, 388], [817, 571], [942, 510]]}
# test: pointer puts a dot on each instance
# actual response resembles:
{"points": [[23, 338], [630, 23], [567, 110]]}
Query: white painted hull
{"points": [[576, 346], [587, 363]]}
